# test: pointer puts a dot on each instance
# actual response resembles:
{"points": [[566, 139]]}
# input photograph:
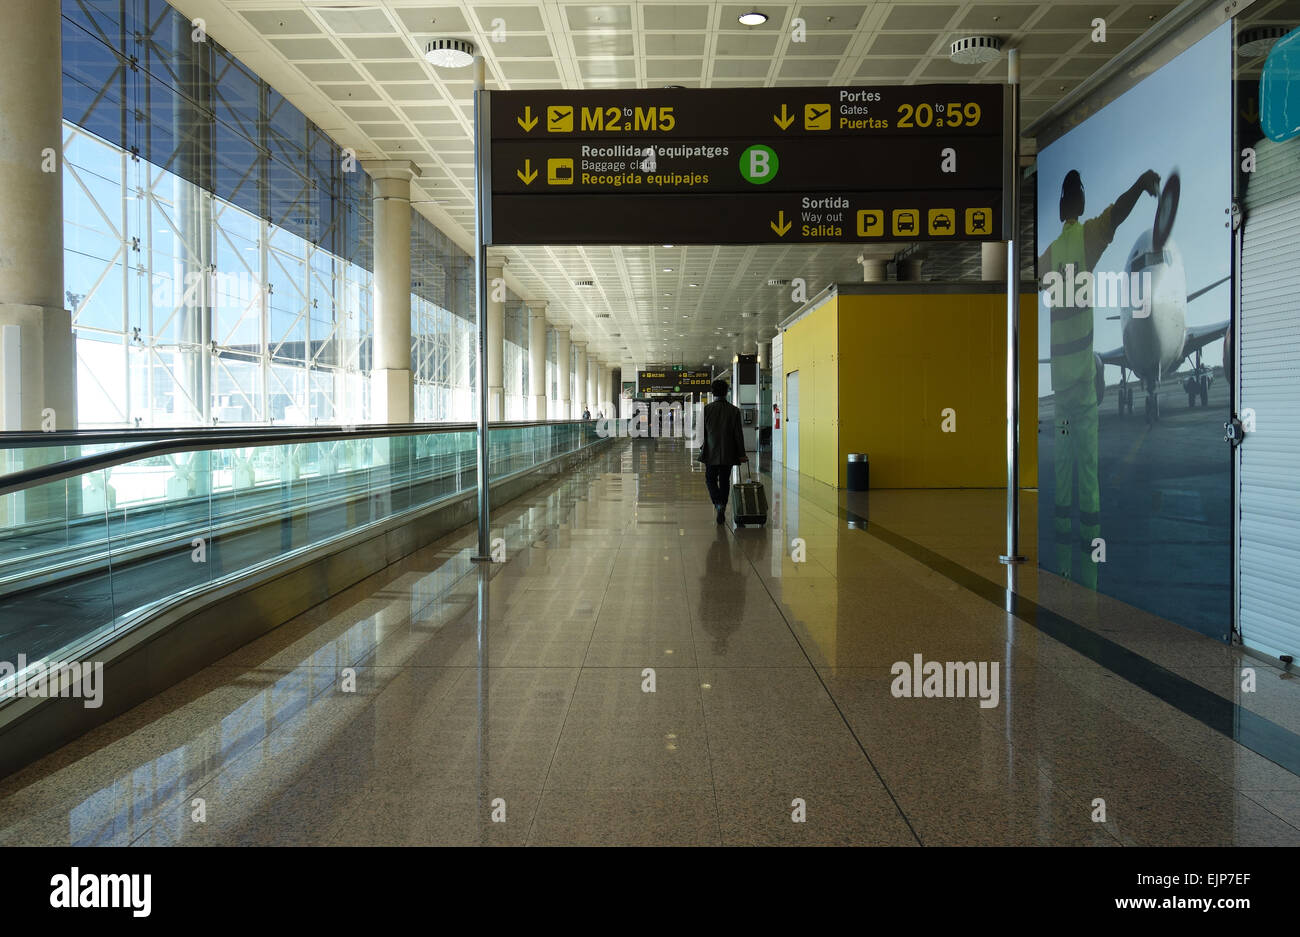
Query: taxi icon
{"points": [[943, 221]]}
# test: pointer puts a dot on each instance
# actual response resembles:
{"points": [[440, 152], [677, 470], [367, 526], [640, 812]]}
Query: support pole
{"points": [[481, 239], [1011, 226]]}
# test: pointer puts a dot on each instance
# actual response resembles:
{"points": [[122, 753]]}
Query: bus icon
{"points": [[905, 221]]}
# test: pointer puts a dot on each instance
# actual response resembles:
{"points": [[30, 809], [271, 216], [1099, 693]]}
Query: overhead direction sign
{"points": [[673, 381], [748, 166], [799, 164], [765, 218], [916, 110]]}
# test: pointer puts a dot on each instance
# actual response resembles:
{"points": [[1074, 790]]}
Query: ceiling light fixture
{"points": [[976, 50], [449, 53], [753, 18], [1254, 42]]}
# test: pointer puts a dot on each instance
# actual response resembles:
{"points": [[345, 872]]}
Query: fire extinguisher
{"points": [[776, 416]]}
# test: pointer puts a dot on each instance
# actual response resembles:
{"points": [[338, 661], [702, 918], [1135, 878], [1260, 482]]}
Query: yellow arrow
{"points": [[528, 173], [781, 226], [1251, 113], [528, 121], [785, 120]]}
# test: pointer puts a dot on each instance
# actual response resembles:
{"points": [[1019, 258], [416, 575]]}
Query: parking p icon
{"points": [[871, 223]]}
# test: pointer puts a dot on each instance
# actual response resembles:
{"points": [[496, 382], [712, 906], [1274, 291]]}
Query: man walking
{"points": [[723, 448], [1077, 249]]}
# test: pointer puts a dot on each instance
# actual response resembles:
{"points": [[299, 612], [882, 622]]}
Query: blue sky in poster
{"points": [[1178, 118]]}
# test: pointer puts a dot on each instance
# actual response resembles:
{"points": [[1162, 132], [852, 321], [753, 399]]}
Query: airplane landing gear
{"points": [[1153, 408], [1197, 384], [1125, 399], [1125, 394]]}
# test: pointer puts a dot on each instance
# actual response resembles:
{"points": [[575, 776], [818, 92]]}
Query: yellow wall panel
{"points": [[810, 347], [905, 358]]}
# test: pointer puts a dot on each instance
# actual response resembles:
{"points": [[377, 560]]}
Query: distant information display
{"points": [[673, 381], [747, 165]]}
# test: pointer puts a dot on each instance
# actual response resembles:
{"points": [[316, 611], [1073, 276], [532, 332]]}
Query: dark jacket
{"points": [[724, 435]]}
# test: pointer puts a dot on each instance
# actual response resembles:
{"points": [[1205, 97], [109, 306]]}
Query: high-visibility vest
{"points": [[1073, 365]]}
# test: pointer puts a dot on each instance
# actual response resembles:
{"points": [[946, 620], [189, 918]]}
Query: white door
{"points": [[1268, 479], [791, 426]]}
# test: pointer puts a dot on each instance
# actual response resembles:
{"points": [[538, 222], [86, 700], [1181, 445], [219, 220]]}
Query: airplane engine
{"points": [[1101, 378]]}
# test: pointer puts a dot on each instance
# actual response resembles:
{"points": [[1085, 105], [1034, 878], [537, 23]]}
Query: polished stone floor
{"points": [[635, 674]]}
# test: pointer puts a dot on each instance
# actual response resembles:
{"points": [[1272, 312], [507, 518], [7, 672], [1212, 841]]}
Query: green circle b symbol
{"points": [[758, 164]]}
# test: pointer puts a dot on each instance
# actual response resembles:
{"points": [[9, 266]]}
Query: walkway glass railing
{"points": [[124, 528]]}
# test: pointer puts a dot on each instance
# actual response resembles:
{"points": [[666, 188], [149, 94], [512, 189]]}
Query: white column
{"points": [[537, 359], [581, 401], [496, 337], [562, 373], [993, 261], [39, 384], [593, 396], [874, 271], [392, 390]]}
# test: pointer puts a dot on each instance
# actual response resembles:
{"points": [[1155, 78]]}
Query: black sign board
{"points": [[673, 381], [767, 218], [958, 111], [748, 166], [759, 164]]}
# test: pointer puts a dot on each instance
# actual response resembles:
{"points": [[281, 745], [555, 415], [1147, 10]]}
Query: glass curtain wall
{"points": [[218, 245], [444, 338], [514, 358]]}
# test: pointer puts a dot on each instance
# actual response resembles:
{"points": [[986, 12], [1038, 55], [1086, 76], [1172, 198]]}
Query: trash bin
{"points": [[859, 472]]}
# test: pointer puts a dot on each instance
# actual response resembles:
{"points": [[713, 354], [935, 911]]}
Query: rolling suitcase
{"points": [[748, 501]]}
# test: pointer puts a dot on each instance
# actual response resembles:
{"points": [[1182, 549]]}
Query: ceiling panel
{"points": [[354, 67]]}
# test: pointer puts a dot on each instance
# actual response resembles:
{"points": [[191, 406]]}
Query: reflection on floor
{"points": [[644, 676]]}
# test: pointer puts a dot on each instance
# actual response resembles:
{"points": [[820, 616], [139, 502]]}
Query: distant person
{"points": [[586, 414], [723, 448], [1077, 249]]}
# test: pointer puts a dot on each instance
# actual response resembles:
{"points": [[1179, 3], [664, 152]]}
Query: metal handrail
{"points": [[208, 441], [25, 439]]}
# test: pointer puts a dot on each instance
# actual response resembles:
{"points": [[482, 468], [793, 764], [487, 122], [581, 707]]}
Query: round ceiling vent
{"points": [[449, 53], [1256, 41], [976, 50]]}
